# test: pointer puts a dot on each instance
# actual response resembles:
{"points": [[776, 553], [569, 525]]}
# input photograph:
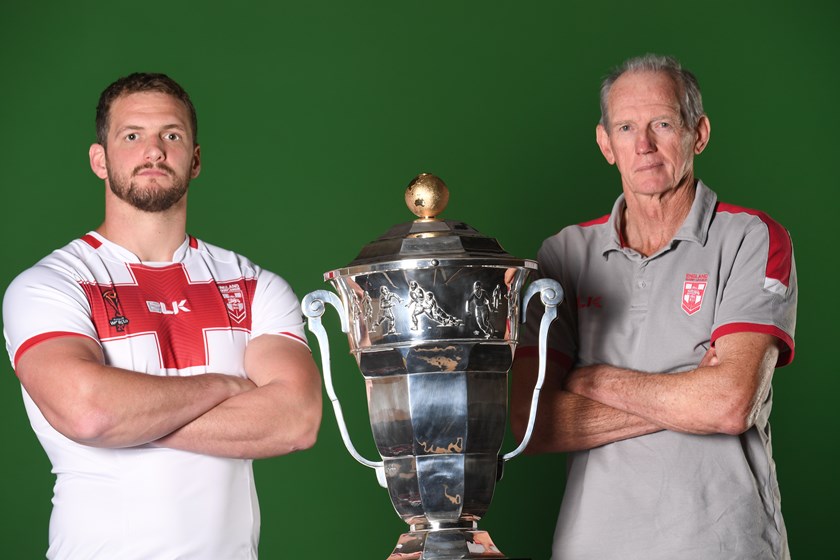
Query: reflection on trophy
{"points": [[432, 313]]}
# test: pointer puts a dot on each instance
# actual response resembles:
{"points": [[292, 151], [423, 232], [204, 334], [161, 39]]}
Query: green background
{"points": [[314, 116]]}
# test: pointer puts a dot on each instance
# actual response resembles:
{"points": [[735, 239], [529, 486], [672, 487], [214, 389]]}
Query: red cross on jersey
{"points": [[165, 303]]}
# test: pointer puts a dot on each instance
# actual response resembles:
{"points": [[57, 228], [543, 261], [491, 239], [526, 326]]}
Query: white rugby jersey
{"points": [[190, 316], [671, 495]]}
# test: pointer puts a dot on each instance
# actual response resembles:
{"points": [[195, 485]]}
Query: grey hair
{"points": [[691, 102]]}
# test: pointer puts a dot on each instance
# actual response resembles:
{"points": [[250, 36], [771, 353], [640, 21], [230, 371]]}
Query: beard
{"points": [[153, 198]]}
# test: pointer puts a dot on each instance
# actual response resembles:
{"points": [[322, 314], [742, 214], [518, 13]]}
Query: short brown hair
{"points": [[139, 82]]}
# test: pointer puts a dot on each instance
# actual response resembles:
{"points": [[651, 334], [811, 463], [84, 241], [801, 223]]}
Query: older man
{"points": [[156, 366], [679, 309]]}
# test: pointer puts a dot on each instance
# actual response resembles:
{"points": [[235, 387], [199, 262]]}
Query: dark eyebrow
{"points": [[173, 126]]}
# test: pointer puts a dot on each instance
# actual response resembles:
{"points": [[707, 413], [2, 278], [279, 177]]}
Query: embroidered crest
{"points": [[693, 289], [118, 321], [234, 301]]}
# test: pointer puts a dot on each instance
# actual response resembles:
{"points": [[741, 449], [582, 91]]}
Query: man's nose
{"points": [[645, 142], [155, 151]]}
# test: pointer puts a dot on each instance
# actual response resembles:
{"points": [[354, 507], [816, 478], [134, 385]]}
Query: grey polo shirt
{"points": [[671, 495]]}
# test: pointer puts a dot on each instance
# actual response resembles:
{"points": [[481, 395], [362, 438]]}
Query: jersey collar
{"points": [[94, 239]]}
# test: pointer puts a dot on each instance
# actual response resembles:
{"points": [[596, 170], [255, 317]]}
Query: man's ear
{"points": [[196, 162], [97, 161], [603, 140], [704, 131]]}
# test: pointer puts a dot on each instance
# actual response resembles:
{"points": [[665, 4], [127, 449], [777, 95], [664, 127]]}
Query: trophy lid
{"points": [[429, 236]]}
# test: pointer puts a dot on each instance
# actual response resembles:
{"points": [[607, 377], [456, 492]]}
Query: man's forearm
{"points": [[231, 429], [102, 406], [579, 423], [566, 421], [722, 395], [280, 416]]}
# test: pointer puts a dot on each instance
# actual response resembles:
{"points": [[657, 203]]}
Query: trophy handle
{"points": [[313, 306], [551, 294]]}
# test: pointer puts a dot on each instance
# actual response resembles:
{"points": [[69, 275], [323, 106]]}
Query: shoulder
{"points": [[48, 296], [600, 221], [227, 264], [732, 221], [65, 264], [589, 229], [748, 217], [215, 252], [221, 259], [578, 236]]}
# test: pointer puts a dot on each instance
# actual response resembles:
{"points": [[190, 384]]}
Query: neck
{"points": [[650, 222], [152, 236]]}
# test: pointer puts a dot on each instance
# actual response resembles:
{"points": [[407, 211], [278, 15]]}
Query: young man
{"points": [[679, 307], [155, 366]]}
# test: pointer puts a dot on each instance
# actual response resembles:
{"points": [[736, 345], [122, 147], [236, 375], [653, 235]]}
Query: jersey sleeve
{"points": [[561, 343], [760, 293], [44, 302], [276, 308]]}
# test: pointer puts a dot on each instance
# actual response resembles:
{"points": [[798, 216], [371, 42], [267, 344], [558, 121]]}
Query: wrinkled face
{"points": [[150, 157], [647, 140]]}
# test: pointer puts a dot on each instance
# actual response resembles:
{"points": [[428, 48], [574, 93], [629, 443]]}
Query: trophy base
{"points": [[447, 544]]}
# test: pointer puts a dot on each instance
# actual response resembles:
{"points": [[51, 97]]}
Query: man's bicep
{"points": [[278, 358], [54, 360], [747, 361], [748, 352], [53, 372], [748, 355]]}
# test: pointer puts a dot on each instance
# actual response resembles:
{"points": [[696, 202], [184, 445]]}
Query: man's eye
{"points": [[131, 136], [173, 136], [624, 127]]}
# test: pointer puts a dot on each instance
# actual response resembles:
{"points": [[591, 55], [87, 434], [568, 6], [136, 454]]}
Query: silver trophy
{"points": [[432, 313]]}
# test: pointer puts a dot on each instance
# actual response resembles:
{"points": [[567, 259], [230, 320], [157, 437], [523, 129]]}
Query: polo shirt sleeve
{"points": [[760, 291], [276, 308]]}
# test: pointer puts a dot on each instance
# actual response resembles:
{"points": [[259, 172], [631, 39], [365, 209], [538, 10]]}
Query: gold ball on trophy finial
{"points": [[426, 196]]}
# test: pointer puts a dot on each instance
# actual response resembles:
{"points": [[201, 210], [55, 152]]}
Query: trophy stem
{"points": [[461, 540]]}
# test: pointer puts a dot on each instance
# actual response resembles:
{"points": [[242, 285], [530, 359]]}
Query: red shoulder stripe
{"points": [[92, 241], [779, 258], [596, 222]]}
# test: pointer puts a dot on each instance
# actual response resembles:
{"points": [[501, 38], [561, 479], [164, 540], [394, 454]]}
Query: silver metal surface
{"points": [[432, 314]]}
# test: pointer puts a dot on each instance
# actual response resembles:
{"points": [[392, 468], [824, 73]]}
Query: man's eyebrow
{"points": [[622, 122], [666, 116], [660, 117], [172, 126]]}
